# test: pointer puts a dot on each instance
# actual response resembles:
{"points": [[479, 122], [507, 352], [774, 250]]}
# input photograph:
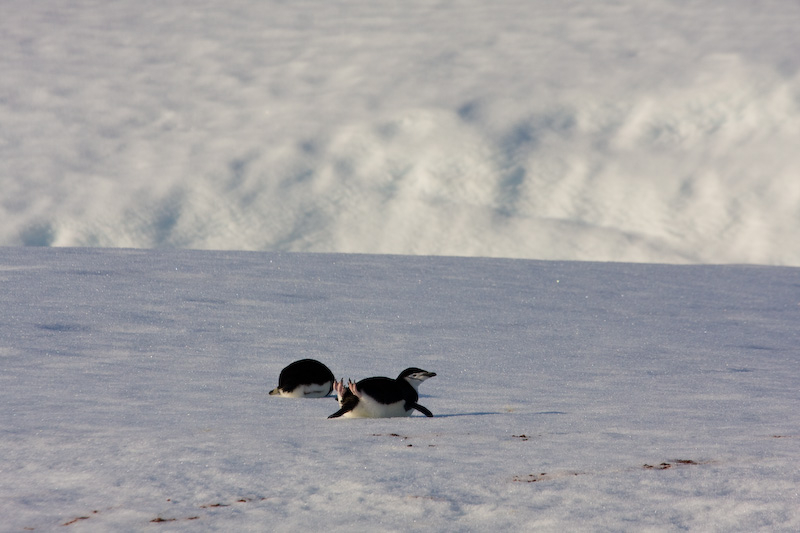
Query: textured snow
{"points": [[660, 131], [569, 396]]}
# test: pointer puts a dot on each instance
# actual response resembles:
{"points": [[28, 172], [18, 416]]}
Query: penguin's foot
{"points": [[353, 389], [340, 389]]}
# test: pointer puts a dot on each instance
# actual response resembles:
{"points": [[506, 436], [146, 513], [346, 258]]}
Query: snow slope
{"points": [[659, 131], [569, 397]]}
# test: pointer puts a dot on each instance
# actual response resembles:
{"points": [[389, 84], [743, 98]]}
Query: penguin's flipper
{"points": [[340, 412], [421, 409], [348, 403]]}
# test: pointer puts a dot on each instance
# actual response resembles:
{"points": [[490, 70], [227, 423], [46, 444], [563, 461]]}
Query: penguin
{"points": [[306, 378], [381, 397]]}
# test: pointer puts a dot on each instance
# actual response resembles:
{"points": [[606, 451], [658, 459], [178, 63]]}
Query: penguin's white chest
{"points": [[311, 390], [369, 408]]}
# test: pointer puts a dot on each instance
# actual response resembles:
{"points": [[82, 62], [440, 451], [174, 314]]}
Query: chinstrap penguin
{"points": [[306, 378], [381, 397]]}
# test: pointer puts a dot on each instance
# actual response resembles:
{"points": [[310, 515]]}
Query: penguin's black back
{"points": [[303, 372], [386, 390]]}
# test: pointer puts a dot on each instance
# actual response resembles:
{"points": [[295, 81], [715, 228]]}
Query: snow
{"points": [[569, 396], [661, 131], [583, 216]]}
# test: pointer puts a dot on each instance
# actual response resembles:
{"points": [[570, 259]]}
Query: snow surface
{"points": [[570, 396], [659, 131]]}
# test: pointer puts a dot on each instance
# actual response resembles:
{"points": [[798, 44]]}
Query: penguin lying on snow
{"points": [[306, 378], [381, 397]]}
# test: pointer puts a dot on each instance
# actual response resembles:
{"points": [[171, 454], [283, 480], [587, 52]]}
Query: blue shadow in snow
{"points": [[483, 413], [468, 414]]}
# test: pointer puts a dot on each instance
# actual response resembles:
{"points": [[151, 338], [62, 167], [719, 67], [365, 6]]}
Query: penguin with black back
{"points": [[306, 378], [381, 397]]}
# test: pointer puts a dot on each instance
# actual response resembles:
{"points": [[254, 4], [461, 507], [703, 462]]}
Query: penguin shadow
{"points": [[484, 413]]}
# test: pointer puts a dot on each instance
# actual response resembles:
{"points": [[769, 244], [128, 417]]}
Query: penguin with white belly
{"points": [[306, 378], [381, 397]]}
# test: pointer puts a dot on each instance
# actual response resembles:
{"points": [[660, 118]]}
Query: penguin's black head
{"points": [[415, 375]]}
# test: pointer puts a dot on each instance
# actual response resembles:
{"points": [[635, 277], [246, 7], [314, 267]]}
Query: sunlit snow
{"points": [[658, 131]]}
